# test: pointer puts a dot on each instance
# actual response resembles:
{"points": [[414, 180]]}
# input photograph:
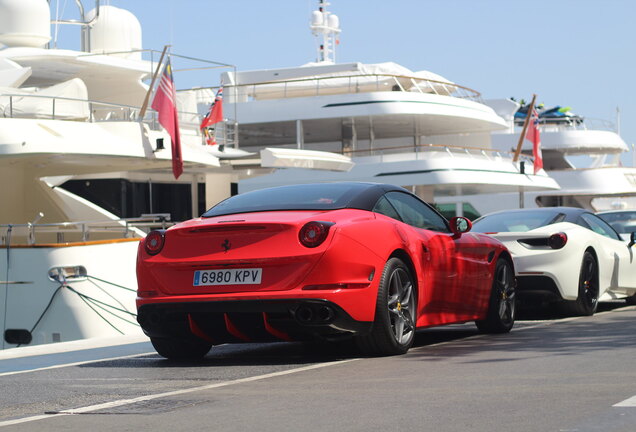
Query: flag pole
{"points": [[524, 130], [144, 106]]}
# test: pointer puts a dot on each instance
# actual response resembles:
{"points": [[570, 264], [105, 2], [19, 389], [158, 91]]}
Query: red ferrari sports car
{"points": [[327, 261]]}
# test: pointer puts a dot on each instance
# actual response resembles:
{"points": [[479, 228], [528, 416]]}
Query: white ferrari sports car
{"points": [[565, 254]]}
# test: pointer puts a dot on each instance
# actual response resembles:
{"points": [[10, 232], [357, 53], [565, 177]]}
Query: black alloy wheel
{"points": [[587, 301], [501, 307], [393, 329]]}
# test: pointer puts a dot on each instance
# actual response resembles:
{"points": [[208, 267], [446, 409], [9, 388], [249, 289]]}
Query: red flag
{"points": [[215, 114], [165, 103], [533, 136]]}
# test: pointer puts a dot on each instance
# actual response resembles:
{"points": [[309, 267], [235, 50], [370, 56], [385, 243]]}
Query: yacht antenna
{"points": [[86, 25], [326, 27]]}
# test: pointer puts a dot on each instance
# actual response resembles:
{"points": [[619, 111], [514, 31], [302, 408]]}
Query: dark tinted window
{"points": [[383, 206], [621, 221], [129, 199], [327, 196], [599, 226], [416, 213], [516, 221], [449, 210]]}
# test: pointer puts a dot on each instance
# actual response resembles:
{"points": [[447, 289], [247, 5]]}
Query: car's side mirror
{"points": [[460, 225], [632, 239]]}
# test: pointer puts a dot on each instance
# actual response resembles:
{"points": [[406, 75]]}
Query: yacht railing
{"points": [[95, 112], [58, 108], [599, 124], [14, 235], [99, 111], [453, 151], [572, 123], [154, 59], [343, 84]]}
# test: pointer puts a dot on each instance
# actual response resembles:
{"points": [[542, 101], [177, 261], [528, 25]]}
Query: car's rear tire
{"points": [[587, 301], [501, 306], [393, 329], [179, 349]]}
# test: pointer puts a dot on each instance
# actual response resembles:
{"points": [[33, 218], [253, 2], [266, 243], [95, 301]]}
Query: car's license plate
{"points": [[228, 277]]}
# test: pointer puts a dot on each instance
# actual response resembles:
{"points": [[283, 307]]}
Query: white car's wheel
{"points": [[587, 301]]}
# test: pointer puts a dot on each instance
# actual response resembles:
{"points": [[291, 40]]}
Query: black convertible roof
{"points": [[314, 196]]}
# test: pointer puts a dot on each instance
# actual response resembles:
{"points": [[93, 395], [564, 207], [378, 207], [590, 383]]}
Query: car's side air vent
{"points": [[534, 241], [555, 241]]}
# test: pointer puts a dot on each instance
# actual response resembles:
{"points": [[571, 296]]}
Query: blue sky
{"points": [[576, 53]]}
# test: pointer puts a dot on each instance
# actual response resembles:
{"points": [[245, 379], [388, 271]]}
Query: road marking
{"points": [[71, 346], [631, 402], [24, 420], [122, 402], [74, 364]]}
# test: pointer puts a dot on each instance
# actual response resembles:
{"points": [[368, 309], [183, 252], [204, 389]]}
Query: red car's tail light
{"points": [[558, 240], [154, 242], [312, 234]]}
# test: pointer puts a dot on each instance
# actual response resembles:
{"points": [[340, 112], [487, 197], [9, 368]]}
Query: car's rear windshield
{"points": [[328, 196], [516, 221]]}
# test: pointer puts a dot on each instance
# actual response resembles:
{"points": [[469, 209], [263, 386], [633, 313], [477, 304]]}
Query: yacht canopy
{"points": [[328, 78], [67, 100]]}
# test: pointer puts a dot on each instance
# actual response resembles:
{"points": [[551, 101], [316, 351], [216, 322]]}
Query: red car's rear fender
{"points": [[347, 265], [359, 252]]}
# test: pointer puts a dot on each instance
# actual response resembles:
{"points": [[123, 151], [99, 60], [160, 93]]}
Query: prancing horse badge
{"points": [[226, 245]]}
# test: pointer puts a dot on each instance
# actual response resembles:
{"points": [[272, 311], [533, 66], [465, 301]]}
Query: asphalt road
{"points": [[573, 374]]}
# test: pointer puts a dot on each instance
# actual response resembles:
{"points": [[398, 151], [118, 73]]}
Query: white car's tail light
{"points": [[558, 240], [555, 241], [312, 234]]}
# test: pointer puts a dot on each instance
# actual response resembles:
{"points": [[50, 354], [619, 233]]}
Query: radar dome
{"points": [[25, 23], [316, 18], [115, 31], [334, 21]]}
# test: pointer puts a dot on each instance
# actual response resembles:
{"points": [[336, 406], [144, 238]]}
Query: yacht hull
{"points": [[99, 304]]}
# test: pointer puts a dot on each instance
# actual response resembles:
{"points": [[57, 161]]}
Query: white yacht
{"points": [[582, 155], [67, 265], [414, 129], [84, 175]]}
